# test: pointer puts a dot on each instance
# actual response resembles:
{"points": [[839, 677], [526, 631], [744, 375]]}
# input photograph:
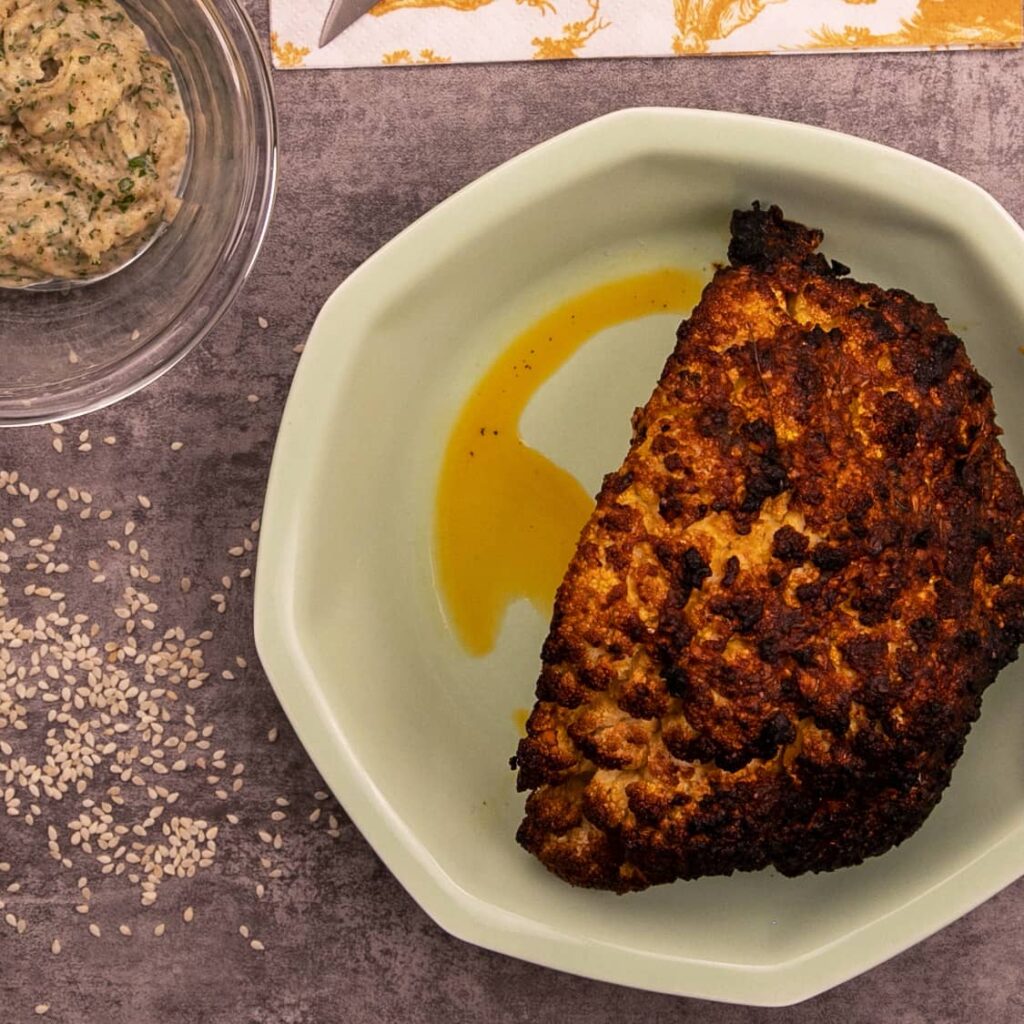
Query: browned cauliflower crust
{"points": [[774, 635]]}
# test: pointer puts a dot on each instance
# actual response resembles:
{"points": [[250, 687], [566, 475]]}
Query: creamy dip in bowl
{"points": [[93, 140], [178, 132]]}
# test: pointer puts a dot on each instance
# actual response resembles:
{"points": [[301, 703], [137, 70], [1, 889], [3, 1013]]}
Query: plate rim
{"points": [[637, 131]]}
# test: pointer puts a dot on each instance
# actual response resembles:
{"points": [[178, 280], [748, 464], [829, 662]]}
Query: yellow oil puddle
{"points": [[507, 518], [519, 716]]}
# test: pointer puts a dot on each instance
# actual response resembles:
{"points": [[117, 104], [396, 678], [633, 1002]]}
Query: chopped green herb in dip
{"points": [[93, 139]]}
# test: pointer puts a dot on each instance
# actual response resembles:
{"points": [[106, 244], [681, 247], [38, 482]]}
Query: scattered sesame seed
{"points": [[41, 1008], [110, 439], [252, 398], [257, 945], [300, 348], [187, 915], [272, 735], [159, 929], [262, 321], [112, 700]]}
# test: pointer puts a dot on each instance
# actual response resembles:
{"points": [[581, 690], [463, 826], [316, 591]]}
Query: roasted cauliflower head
{"points": [[776, 629]]}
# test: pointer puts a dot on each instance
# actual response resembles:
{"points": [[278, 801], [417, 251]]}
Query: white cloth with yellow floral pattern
{"points": [[470, 31]]}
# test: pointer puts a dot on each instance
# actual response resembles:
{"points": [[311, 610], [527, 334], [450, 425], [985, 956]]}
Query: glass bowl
{"points": [[67, 351]]}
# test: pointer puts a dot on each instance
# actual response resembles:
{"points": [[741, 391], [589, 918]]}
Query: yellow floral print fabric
{"points": [[397, 32]]}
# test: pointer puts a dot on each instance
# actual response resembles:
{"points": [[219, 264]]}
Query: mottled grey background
{"points": [[363, 154]]}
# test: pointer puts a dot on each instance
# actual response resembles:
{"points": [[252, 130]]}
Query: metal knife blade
{"points": [[342, 14]]}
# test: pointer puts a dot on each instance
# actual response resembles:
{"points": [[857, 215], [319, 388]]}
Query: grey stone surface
{"points": [[363, 154]]}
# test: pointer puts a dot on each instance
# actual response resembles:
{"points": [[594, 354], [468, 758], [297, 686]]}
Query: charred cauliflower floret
{"points": [[775, 633]]}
